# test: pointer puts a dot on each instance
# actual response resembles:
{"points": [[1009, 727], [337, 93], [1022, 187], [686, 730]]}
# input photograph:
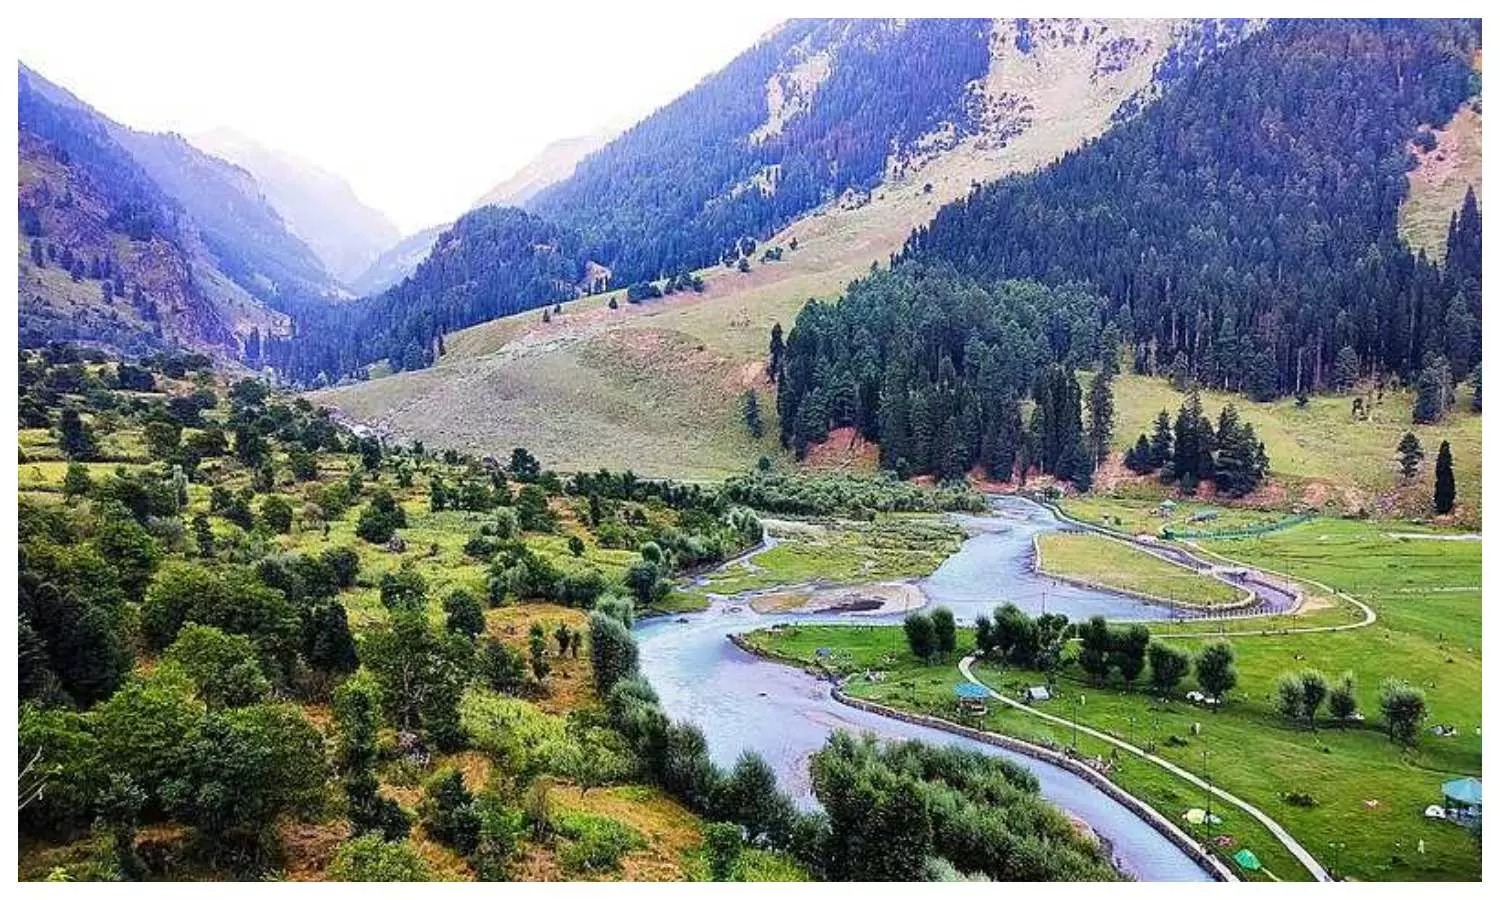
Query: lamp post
{"points": [[1075, 723], [1208, 795]]}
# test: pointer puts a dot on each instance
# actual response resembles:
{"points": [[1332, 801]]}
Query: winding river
{"points": [[744, 703]]}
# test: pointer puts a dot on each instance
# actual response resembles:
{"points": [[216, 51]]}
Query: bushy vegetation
{"points": [[173, 634], [891, 810], [845, 495]]}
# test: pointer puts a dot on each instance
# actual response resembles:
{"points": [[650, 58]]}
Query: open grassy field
{"points": [[1114, 564], [1136, 509], [1321, 457], [839, 553], [1426, 594]]}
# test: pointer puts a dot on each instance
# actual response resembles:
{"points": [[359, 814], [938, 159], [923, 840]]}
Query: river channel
{"points": [[745, 703]]}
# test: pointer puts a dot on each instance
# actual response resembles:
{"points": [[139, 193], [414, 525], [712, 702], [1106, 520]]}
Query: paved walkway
{"points": [[1296, 849]]}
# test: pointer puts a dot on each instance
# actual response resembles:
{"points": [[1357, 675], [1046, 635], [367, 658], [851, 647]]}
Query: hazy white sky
{"points": [[421, 107]]}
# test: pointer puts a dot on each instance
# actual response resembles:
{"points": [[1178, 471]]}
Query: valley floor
{"points": [[1350, 796]]}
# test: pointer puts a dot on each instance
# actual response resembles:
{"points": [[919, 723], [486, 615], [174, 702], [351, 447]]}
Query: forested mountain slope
{"points": [[250, 242], [624, 384], [317, 206], [111, 256], [556, 161], [1248, 219], [397, 261], [493, 261]]}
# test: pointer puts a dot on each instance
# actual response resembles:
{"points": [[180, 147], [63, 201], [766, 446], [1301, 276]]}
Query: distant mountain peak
{"points": [[318, 206], [555, 162]]}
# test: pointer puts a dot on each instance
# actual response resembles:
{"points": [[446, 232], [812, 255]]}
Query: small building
{"points": [[1464, 798], [971, 698]]}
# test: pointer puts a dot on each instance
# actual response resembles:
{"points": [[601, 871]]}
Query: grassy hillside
{"points": [[1322, 457], [1442, 176]]}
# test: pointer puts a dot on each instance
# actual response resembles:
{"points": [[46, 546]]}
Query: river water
{"points": [[745, 703]]}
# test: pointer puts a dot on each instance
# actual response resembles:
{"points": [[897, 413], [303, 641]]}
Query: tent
{"points": [[1464, 792], [1196, 816], [1247, 860]]}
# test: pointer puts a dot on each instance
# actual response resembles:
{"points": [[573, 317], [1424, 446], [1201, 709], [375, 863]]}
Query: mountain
{"points": [[819, 111], [555, 162], [1239, 233], [1185, 219], [662, 382], [250, 242], [492, 262], [397, 261], [317, 206], [113, 247]]}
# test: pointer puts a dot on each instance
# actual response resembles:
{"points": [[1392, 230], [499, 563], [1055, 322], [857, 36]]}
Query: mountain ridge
{"points": [[108, 254], [318, 206]]}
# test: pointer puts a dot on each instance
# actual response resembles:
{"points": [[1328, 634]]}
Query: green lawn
{"points": [[1104, 561], [1138, 510], [1320, 456], [840, 552], [1426, 594]]}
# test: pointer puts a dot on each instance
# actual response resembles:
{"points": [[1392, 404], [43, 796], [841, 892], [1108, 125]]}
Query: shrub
{"points": [[277, 514], [595, 843], [722, 844], [370, 858], [449, 813], [380, 518], [612, 651]]}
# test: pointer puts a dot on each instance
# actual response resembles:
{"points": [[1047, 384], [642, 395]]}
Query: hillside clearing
{"points": [[1441, 177]]}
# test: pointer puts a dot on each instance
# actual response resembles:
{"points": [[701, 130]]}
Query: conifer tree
{"points": [[1161, 441], [1410, 450], [1101, 415], [1443, 493]]}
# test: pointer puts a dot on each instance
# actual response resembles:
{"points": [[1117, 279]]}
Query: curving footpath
{"points": [[1307, 859]]}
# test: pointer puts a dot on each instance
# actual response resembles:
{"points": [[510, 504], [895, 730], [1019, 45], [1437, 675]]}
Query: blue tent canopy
{"points": [[1467, 791], [968, 690]]}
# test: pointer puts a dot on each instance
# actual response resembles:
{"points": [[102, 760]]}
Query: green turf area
{"points": [[1426, 594], [1138, 509], [1321, 457], [1110, 563], [905, 683], [839, 552]]}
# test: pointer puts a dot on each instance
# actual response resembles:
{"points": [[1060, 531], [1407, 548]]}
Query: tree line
{"points": [[935, 367]]}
